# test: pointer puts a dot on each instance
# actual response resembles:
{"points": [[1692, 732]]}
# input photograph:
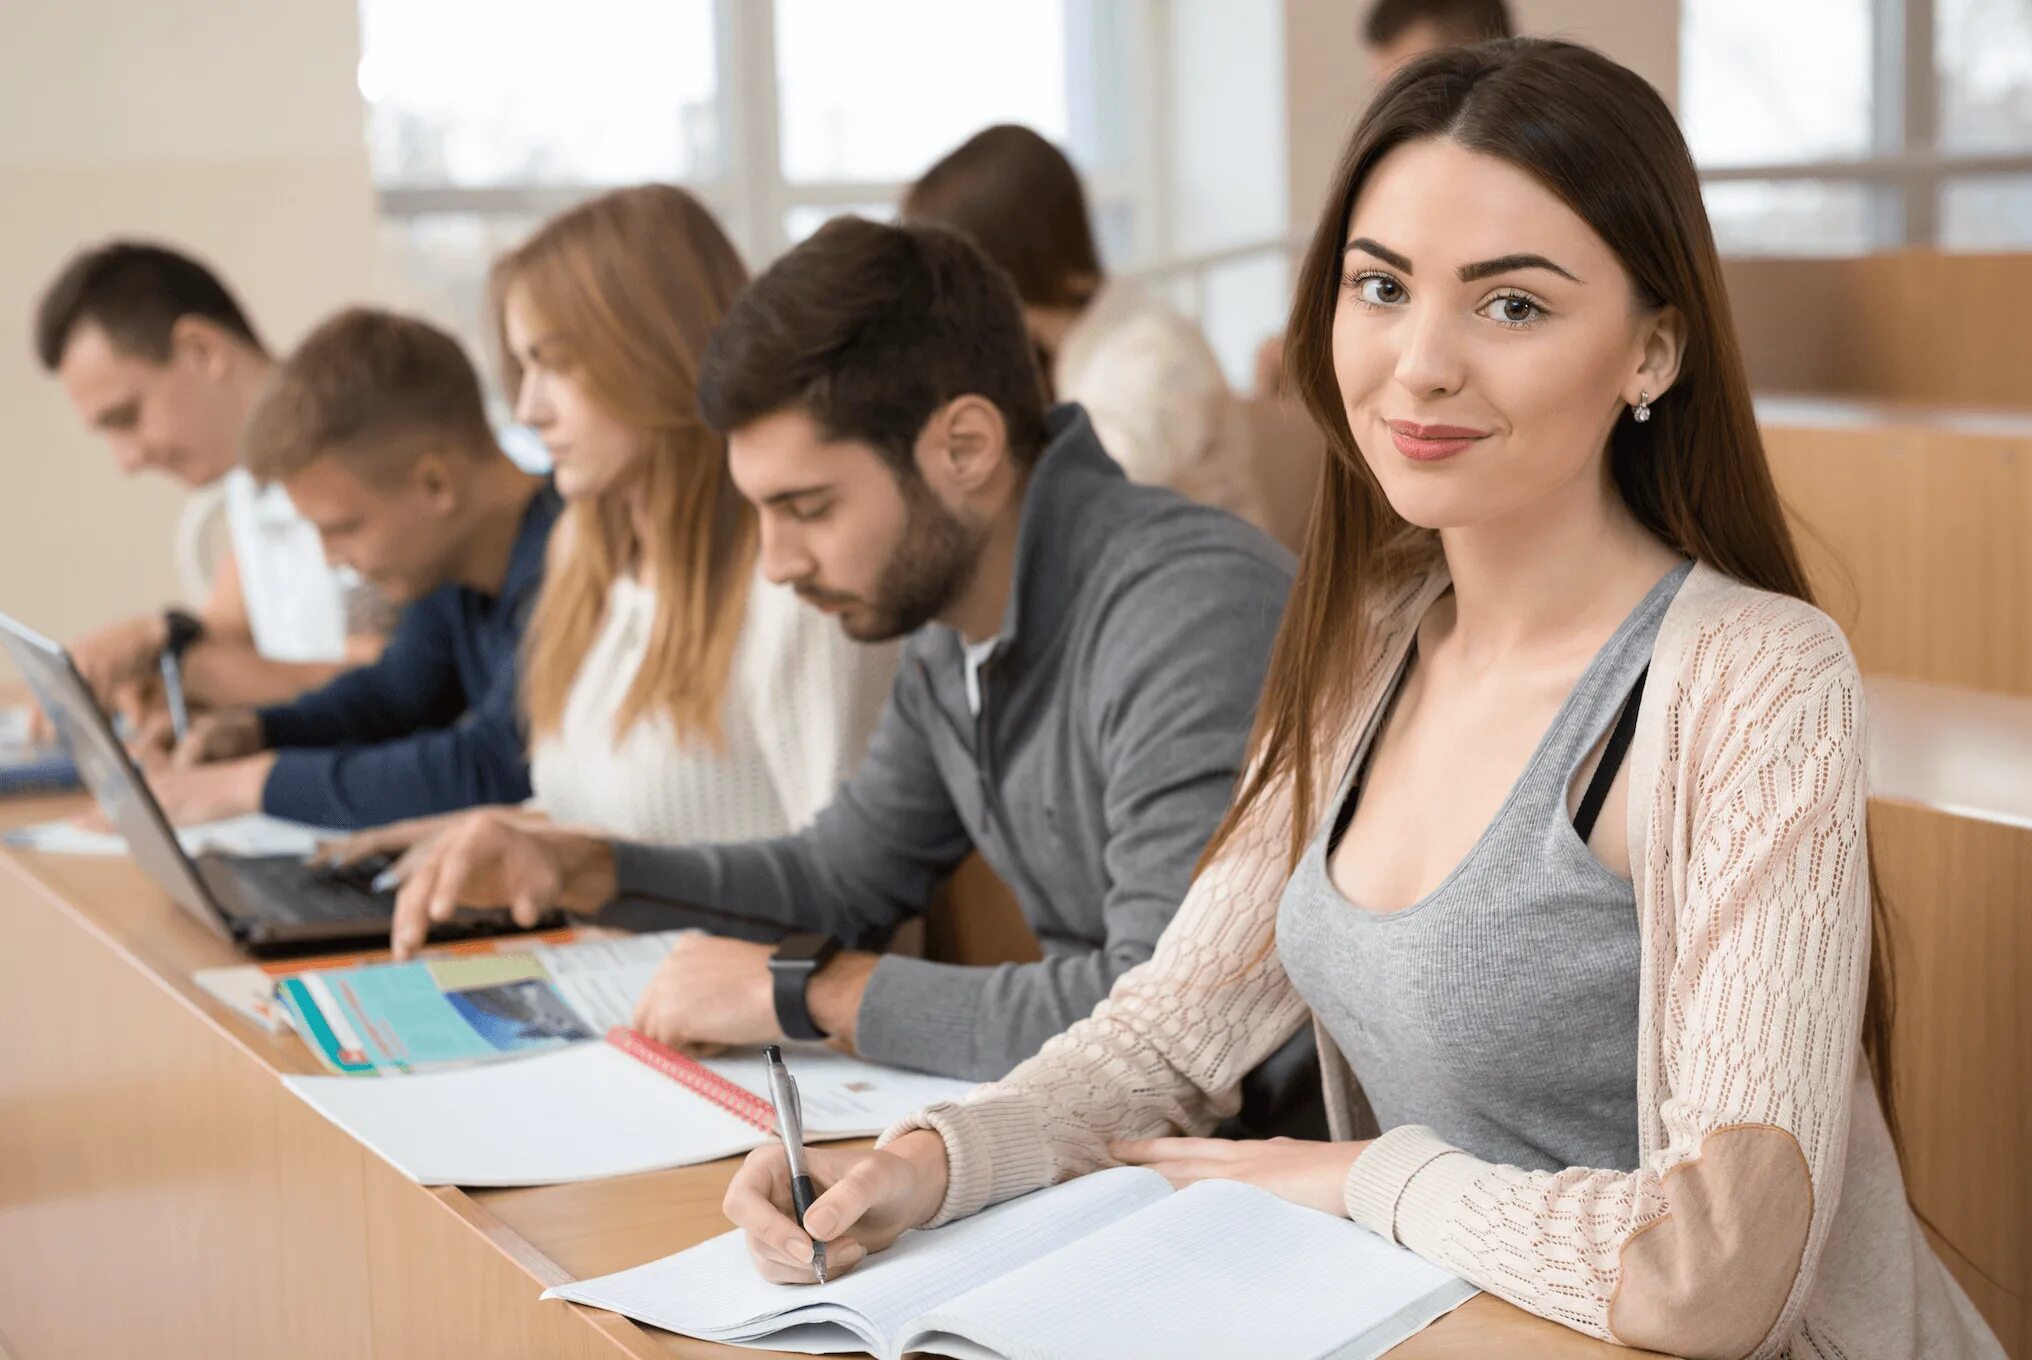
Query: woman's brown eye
{"points": [[1379, 290]]}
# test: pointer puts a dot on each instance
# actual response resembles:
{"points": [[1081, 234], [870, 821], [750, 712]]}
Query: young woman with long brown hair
{"points": [[1146, 375], [672, 697], [1555, 825]]}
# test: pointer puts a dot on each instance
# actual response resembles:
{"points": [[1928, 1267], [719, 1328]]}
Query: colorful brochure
{"points": [[455, 1011]]}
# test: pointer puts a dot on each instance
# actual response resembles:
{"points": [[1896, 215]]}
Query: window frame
{"points": [[1906, 165], [749, 192]]}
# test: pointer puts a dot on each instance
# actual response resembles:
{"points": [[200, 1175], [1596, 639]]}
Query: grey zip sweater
{"points": [[1115, 708]]}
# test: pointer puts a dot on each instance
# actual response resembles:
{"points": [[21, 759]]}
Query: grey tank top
{"points": [[1500, 1010]]}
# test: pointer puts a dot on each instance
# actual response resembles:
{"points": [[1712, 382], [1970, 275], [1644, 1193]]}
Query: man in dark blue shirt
{"points": [[376, 429]]}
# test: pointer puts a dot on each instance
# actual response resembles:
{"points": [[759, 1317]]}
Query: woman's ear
{"points": [[1664, 346]]}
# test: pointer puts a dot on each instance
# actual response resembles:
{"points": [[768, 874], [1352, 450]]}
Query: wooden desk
{"points": [[162, 1194]]}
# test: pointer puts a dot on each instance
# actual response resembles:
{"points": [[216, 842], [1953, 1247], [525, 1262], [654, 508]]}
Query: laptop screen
{"points": [[106, 768]]}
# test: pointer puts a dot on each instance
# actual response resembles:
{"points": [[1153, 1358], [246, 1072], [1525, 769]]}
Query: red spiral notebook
{"points": [[697, 1078]]}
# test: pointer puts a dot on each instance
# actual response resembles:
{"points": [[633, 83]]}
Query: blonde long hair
{"points": [[630, 284]]}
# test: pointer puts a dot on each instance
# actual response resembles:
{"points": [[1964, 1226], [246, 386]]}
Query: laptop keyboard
{"points": [[283, 888]]}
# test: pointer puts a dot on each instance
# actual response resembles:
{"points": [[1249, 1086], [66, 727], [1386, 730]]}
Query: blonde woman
{"points": [[671, 695]]}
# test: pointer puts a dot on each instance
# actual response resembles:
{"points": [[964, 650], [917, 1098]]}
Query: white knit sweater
{"points": [[801, 704], [1158, 399], [1768, 1215]]}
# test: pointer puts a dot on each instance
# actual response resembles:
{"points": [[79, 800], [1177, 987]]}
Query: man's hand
{"points": [[710, 991], [212, 792], [1312, 1174], [119, 655], [490, 858], [227, 735], [714, 991], [397, 839], [224, 735]]}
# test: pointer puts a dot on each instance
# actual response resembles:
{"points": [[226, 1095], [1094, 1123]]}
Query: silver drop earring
{"points": [[1643, 411]]}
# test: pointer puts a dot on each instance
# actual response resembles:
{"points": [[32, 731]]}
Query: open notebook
{"points": [[607, 1109], [1105, 1266]]}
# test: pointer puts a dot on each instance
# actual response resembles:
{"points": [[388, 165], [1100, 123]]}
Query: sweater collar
{"points": [[1051, 538]]}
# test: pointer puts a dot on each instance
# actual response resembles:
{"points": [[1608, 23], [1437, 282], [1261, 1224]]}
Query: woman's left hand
{"points": [[1305, 1173]]}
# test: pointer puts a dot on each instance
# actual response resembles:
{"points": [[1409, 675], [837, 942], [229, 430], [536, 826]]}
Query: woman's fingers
{"points": [[758, 1203], [864, 1185]]}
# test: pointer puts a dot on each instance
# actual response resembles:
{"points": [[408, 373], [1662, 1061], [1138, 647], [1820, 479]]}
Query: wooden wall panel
{"points": [[1917, 533], [1963, 958], [1914, 325]]}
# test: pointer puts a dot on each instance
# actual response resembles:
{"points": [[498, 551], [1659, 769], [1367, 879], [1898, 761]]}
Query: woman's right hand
{"points": [[869, 1198]]}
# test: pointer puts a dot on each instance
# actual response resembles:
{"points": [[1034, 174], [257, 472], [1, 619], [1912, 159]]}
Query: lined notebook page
{"points": [[1217, 1270], [713, 1290]]}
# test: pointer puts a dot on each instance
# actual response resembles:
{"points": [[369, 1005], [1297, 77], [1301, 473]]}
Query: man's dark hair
{"points": [[1462, 21], [136, 293], [869, 329]]}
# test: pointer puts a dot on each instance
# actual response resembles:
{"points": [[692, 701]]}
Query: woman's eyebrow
{"points": [[1504, 264], [1383, 253]]}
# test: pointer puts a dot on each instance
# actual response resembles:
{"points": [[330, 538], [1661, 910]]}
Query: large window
{"points": [[485, 116], [1844, 126]]}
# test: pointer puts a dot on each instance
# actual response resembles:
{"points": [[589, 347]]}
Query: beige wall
{"points": [[232, 127], [1328, 82]]}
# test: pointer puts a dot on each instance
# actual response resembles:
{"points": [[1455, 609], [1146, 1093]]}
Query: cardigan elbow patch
{"points": [[1711, 1276]]}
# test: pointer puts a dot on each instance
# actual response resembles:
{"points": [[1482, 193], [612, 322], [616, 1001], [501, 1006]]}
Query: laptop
{"points": [[266, 904]]}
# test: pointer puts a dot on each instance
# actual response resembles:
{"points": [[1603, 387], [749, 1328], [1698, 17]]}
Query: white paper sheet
{"points": [[254, 834], [1217, 1270], [586, 1112]]}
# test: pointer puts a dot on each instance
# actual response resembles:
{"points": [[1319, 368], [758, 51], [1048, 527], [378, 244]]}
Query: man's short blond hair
{"points": [[374, 389]]}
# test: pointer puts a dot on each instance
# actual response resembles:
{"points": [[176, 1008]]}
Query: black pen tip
{"points": [[772, 1052]]}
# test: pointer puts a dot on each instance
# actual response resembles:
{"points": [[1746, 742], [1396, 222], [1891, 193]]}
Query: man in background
{"points": [[1400, 31], [158, 358], [376, 430]]}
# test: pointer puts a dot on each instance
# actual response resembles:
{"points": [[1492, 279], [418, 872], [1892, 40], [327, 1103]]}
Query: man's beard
{"points": [[933, 564]]}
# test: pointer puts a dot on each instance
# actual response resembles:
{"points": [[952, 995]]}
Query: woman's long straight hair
{"points": [[630, 285], [1695, 475]]}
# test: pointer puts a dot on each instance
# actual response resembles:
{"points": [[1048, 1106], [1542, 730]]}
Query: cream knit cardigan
{"points": [[1768, 1215]]}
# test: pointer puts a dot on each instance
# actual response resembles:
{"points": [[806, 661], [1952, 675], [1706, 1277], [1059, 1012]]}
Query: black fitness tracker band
{"points": [[791, 969]]}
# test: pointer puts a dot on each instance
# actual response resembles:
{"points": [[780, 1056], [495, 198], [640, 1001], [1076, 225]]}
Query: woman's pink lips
{"points": [[1430, 443]]}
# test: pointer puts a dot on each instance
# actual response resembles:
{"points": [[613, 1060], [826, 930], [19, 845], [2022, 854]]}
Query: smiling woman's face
{"points": [[1485, 339]]}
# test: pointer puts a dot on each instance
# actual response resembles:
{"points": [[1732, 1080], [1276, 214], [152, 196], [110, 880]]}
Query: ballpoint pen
{"points": [[179, 631], [790, 1128], [171, 665]]}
